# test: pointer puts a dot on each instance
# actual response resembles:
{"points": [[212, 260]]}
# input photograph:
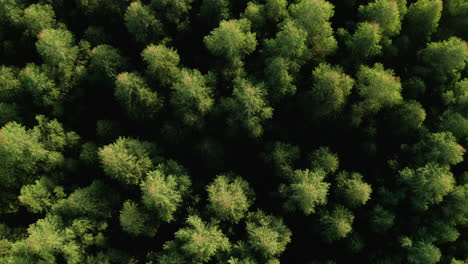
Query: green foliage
{"points": [[11, 12], [38, 17], [23, 156], [282, 157], [378, 88], [365, 42], [136, 97], [330, 90], [163, 193], [386, 13], [441, 148], [454, 207], [127, 160], [136, 221], [423, 18], [141, 23], [445, 57], [323, 159], [9, 113], [423, 252], [229, 197], [106, 62], [428, 184], [162, 64], [10, 86], [352, 190], [97, 200], [56, 47], [289, 42], [43, 89], [213, 11], [287, 50], [198, 242], [267, 235], [275, 10], [381, 219], [336, 224], [192, 98], [41, 196], [247, 107], [313, 16], [456, 124], [51, 239], [408, 117], [306, 191], [171, 100], [231, 40], [175, 11]]}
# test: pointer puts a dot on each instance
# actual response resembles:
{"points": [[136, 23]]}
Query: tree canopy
{"points": [[233, 132]]}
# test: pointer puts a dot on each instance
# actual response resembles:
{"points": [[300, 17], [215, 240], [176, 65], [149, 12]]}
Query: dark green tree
{"points": [[229, 197]]}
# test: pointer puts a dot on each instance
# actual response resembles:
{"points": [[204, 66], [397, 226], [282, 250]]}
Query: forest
{"points": [[233, 131]]}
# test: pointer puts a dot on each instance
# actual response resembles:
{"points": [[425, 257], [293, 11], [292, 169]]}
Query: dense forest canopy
{"points": [[237, 132]]}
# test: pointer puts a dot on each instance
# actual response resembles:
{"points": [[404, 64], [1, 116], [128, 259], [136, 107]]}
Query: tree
{"points": [[136, 221], [106, 62], [282, 157], [142, 24], [127, 160], [422, 19], [137, 98], [43, 89], [232, 39], [162, 64], [428, 184], [286, 51], [276, 10], [255, 13], [352, 190], [407, 118], [97, 201], [214, 11], [386, 13], [10, 86], [53, 136], [440, 147], [313, 16], [306, 191], [454, 207], [192, 97], [229, 197], [381, 219], [56, 47], [9, 113], [198, 242], [163, 193], [175, 11], [11, 13], [330, 90], [280, 77], [323, 159], [24, 158], [336, 224], [445, 57], [456, 124], [422, 252], [41, 196], [365, 42], [38, 17], [247, 107], [378, 88], [267, 235]]}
